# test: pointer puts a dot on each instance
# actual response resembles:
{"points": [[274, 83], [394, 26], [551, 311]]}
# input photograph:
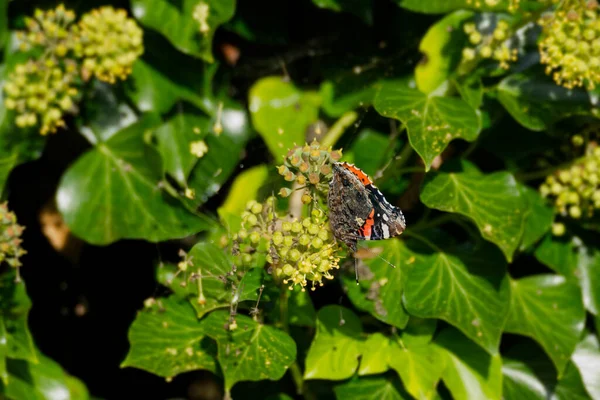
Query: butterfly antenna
{"points": [[386, 261]]}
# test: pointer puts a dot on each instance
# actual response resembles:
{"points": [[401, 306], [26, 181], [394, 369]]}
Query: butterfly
{"points": [[358, 210]]}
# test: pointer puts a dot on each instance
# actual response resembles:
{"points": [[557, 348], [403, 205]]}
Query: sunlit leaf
{"points": [[375, 388], [527, 372], [376, 351], [189, 25], [548, 309], [252, 351], [281, 113], [116, 191], [431, 121], [444, 6], [168, 339], [494, 202], [587, 360]]}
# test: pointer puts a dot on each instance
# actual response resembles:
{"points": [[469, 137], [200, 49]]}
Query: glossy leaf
{"points": [[470, 372], [375, 353], [468, 287], [548, 309], [439, 60], [570, 385], [175, 137], [208, 288], [251, 352], [431, 121], [41, 380], [301, 311], [115, 191], [361, 8], [334, 351], [381, 285], [538, 219], [15, 339], [587, 360], [168, 339], [281, 113], [527, 372], [370, 150], [444, 6], [245, 188], [376, 388], [177, 23], [494, 202], [536, 102]]}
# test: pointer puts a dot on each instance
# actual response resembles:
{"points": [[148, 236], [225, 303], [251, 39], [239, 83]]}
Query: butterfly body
{"points": [[358, 210]]}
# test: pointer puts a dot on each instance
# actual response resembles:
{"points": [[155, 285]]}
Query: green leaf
{"points": [[244, 188], [115, 191], [301, 311], [167, 339], [176, 22], [536, 102], [440, 48], [370, 150], [4, 32], [174, 140], [375, 388], [444, 6], [587, 360], [42, 380], [494, 202], [465, 286], [570, 385], [470, 89], [431, 121], [376, 350], [336, 104], [527, 372], [361, 8], [381, 285], [420, 366], [334, 351], [548, 309], [15, 339], [251, 352], [538, 219], [281, 113], [578, 261], [209, 288], [471, 373]]}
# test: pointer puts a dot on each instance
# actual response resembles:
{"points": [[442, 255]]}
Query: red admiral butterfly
{"points": [[358, 210]]}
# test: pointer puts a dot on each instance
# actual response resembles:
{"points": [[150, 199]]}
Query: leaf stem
{"points": [[338, 128]]}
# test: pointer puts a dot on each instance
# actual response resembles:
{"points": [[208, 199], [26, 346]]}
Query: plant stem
{"points": [[338, 128]]}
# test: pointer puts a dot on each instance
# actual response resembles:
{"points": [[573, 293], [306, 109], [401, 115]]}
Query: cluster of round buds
{"points": [[10, 238], [494, 46], [575, 191], [570, 45], [303, 251], [110, 43], [200, 15], [52, 30], [258, 221], [310, 167], [41, 92]]}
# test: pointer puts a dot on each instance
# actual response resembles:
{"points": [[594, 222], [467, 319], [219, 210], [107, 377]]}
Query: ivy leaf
{"points": [[467, 287], [470, 89], [301, 311], [40, 380], [281, 113], [548, 309], [375, 388], [361, 8], [370, 150], [536, 102], [4, 32], [209, 289], [587, 360], [114, 191], [381, 285], [577, 260], [494, 202], [175, 137], [570, 385], [251, 352], [15, 339], [470, 372], [177, 23], [244, 188], [375, 353], [334, 351], [431, 121], [167, 339], [444, 6], [527, 372], [538, 219], [438, 63]]}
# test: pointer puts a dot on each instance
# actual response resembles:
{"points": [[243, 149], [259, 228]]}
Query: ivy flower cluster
{"points": [[10, 238], [104, 44], [570, 45], [575, 190], [310, 167], [494, 46]]}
